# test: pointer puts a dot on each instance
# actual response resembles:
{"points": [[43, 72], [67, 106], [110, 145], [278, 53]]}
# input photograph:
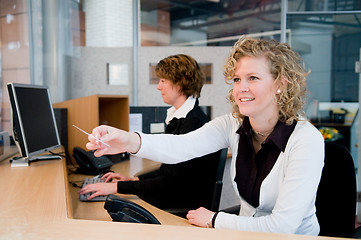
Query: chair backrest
{"points": [[216, 197], [336, 194], [219, 180]]}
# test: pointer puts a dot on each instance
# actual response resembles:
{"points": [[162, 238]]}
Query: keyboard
{"points": [[84, 197]]}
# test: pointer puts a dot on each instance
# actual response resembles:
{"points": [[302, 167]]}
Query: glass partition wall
{"points": [[328, 36], [85, 47]]}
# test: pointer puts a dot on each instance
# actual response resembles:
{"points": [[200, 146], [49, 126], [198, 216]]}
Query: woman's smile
{"points": [[246, 99]]}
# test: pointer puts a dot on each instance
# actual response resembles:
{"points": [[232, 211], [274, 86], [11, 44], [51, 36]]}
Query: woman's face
{"points": [[169, 91], [254, 88]]}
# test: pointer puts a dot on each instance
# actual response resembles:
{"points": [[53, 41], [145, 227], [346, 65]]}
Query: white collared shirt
{"points": [[181, 112]]}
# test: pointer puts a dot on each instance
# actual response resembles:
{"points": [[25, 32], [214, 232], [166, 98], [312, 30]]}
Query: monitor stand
{"points": [[25, 161]]}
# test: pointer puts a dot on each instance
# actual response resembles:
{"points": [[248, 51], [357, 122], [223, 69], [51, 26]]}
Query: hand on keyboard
{"points": [[95, 189], [114, 177]]}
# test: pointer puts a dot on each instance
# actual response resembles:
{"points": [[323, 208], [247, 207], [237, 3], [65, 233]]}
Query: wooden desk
{"points": [[33, 205]]}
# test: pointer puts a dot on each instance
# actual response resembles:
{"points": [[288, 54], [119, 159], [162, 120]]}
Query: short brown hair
{"points": [[284, 63], [183, 71]]}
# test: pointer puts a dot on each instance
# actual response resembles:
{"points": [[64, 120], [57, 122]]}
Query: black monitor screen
{"points": [[34, 125]]}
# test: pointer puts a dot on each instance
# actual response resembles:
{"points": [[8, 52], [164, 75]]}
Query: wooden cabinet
{"points": [[91, 111]]}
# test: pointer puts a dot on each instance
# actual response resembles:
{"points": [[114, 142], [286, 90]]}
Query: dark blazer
{"points": [[188, 184]]}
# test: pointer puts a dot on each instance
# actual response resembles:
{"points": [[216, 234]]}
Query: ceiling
{"points": [[216, 19], [219, 18], [203, 9]]}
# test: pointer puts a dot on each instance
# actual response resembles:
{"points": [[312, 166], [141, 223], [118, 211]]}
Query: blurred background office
{"points": [[83, 47]]}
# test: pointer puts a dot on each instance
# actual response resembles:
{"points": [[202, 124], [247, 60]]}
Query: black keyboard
{"points": [[84, 197]]}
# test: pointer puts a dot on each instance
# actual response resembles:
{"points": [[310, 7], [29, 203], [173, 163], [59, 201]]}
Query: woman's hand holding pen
{"points": [[119, 141]]}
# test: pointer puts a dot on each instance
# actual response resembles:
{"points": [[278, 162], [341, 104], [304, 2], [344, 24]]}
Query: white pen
{"points": [[91, 135]]}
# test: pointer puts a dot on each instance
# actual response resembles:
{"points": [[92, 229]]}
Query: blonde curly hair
{"points": [[286, 66]]}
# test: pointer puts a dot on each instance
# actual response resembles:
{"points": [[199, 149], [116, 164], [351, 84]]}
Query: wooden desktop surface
{"points": [[96, 211], [36, 204]]}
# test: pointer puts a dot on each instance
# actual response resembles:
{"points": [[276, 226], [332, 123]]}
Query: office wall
{"points": [[88, 73], [212, 94]]}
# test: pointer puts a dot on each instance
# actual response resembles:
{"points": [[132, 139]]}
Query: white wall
{"points": [[212, 94], [88, 74], [105, 27], [88, 71]]}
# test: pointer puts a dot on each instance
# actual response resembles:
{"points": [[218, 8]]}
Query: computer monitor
{"points": [[34, 126]]}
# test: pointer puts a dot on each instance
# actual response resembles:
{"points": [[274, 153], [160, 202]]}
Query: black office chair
{"points": [[336, 194], [218, 184]]}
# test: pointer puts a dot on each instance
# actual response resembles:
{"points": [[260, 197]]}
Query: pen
{"points": [[91, 135]]}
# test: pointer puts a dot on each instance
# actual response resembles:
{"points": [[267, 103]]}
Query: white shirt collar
{"points": [[181, 112]]}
